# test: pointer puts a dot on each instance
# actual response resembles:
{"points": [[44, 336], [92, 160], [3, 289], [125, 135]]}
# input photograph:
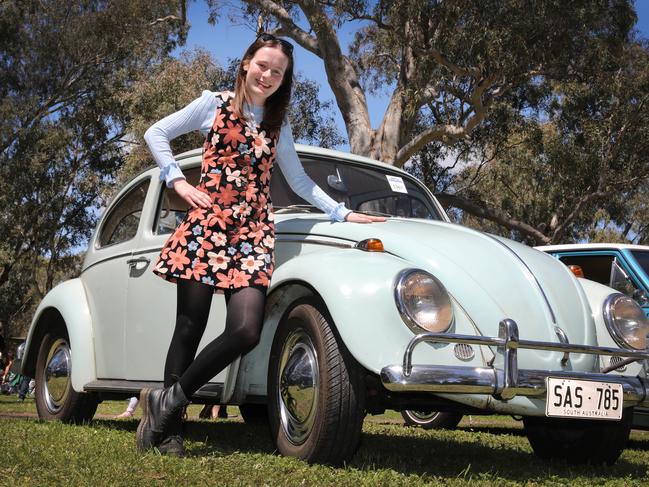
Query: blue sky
{"points": [[228, 40]]}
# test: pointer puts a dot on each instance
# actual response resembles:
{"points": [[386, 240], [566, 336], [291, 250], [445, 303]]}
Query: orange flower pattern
{"points": [[229, 245]]}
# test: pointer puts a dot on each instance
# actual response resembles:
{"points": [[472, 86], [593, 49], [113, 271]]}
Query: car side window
{"points": [[595, 267], [605, 269], [122, 222], [171, 207]]}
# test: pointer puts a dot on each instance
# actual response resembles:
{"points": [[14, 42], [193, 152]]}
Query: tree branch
{"points": [[482, 211], [288, 27]]}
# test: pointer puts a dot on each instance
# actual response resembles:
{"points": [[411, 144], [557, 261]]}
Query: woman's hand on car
{"points": [[354, 217], [194, 197]]}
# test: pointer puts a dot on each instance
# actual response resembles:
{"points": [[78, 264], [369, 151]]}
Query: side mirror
{"points": [[620, 280], [640, 297]]}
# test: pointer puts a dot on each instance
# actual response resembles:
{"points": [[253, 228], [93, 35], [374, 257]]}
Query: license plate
{"points": [[583, 399]]}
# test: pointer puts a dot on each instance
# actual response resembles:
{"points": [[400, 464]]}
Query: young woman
{"points": [[226, 240]]}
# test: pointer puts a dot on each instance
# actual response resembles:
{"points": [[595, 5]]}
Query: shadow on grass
{"points": [[493, 430], [222, 436], [499, 451], [635, 444], [450, 458]]}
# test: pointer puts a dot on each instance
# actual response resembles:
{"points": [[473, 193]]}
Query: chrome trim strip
{"points": [[303, 239], [538, 284], [307, 235], [508, 382], [106, 259]]}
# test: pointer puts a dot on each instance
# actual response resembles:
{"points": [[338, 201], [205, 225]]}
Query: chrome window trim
{"points": [[111, 207]]}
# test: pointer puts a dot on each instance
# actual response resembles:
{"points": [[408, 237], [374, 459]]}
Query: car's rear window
{"points": [[122, 222]]}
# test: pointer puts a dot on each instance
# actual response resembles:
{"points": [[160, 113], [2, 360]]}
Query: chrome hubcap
{"points": [[423, 415], [57, 375], [298, 386]]}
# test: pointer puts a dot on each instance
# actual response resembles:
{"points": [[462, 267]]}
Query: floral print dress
{"points": [[230, 244]]}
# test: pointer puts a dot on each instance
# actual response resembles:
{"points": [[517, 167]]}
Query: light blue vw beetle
{"points": [[415, 313]]}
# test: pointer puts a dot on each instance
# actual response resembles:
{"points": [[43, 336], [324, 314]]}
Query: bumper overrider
{"points": [[508, 382]]}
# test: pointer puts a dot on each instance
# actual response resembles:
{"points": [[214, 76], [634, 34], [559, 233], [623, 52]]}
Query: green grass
{"points": [[484, 450]]}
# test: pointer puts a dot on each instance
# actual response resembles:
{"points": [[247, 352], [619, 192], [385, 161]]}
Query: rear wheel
{"points": [[579, 441], [316, 392], [431, 419], [56, 399]]}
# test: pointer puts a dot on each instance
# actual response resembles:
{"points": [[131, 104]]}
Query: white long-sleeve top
{"points": [[199, 115]]}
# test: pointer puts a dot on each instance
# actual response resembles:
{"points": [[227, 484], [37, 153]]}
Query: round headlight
{"points": [[423, 301], [626, 321]]}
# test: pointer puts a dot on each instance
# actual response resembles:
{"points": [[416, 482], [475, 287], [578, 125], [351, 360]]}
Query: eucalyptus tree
{"points": [[175, 82], [583, 172], [451, 62], [61, 63]]}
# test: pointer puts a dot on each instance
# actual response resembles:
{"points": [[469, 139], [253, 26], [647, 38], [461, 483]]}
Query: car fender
{"points": [[65, 304], [357, 289], [596, 294]]}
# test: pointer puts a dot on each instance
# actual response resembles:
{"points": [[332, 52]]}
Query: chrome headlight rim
{"points": [[399, 287], [609, 320]]}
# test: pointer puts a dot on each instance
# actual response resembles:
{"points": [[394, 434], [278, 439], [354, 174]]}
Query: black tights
{"points": [[245, 316]]}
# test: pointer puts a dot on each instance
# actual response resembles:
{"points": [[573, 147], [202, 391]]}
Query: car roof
{"points": [[302, 150], [590, 246]]}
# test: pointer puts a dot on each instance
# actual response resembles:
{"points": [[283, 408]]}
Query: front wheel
{"points": [[431, 419], [55, 397], [315, 387], [579, 441]]}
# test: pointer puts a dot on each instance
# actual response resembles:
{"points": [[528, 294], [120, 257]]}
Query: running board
{"points": [[116, 388]]}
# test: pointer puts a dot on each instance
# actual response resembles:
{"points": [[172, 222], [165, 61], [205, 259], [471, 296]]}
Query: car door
{"points": [[151, 303], [105, 276]]}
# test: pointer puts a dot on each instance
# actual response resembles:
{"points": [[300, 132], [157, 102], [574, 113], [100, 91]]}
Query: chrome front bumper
{"points": [[508, 382]]}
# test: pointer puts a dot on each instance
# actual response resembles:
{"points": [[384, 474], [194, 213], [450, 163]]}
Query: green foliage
{"points": [[467, 79], [582, 172], [172, 84], [61, 64], [483, 451]]}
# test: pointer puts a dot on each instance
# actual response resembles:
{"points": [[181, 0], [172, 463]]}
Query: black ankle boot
{"points": [[172, 444], [158, 408]]}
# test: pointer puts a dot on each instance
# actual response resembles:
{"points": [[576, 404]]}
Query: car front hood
{"points": [[491, 278]]}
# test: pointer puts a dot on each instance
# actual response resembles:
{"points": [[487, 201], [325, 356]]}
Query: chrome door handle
{"points": [[139, 260], [135, 267]]}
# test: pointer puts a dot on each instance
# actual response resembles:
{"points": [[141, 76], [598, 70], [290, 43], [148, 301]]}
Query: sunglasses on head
{"points": [[270, 37]]}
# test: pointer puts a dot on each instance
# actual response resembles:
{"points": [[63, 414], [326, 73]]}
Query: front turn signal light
{"points": [[371, 245], [576, 270]]}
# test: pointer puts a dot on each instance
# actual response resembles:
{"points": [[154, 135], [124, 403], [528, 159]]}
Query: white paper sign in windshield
{"points": [[397, 184]]}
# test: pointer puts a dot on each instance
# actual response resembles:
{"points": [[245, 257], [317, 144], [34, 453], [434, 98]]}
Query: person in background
{"points": [[130, 409]]}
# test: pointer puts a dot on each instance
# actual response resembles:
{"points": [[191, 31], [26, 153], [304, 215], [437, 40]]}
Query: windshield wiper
{"points": [[374, 213], [296, 209]]}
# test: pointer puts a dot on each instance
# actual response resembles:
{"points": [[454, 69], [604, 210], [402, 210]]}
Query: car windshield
{"points": [[361, 188], [642, 257]]}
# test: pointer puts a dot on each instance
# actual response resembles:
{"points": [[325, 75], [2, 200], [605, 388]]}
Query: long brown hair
{"points": [[276, 105]]}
